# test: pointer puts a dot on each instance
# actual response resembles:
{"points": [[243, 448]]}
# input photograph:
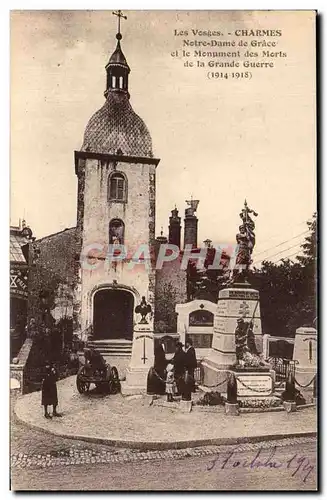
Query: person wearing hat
{"points": [[190, 360], [170, 382]]}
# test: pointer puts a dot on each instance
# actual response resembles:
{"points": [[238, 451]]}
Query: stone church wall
{"points": [[170, 290], [137, 212], [52, 276]]}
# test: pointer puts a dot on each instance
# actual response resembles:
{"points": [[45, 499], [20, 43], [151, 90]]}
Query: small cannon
{"points": [[96, 371]]}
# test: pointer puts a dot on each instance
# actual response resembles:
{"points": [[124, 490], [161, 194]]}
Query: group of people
{"points": [[174, 377]]}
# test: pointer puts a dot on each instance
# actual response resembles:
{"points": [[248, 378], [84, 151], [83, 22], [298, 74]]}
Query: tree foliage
{"points": [[165, 315], [205, 283], [288, 289]]}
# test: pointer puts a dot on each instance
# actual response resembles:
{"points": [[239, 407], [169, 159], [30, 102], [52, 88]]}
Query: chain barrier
{"points": [[242, 383], [216, 385], [158, 376], [307, 385], [208, 386]]}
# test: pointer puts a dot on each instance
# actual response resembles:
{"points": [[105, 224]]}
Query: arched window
{"points": [[116, 232], [201, 318], [117, 189]]}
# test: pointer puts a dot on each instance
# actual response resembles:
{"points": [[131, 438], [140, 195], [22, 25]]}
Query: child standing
{"points": [[170, 382]]}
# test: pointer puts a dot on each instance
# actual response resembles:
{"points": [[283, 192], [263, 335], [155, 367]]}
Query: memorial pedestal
{"points": [[239, 301], [305, 352], [141, 360]]}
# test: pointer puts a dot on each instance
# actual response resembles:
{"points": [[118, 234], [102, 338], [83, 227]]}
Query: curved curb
{"points": [[172, 445]]}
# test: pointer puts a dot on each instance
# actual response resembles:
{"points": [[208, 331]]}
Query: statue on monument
{"points": [[143, 309], [246, 350], [246, 241]]}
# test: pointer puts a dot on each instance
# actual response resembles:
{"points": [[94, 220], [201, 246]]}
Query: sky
{"points": [[220, 141]]}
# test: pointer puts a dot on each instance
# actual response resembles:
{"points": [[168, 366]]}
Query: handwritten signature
{"points": [[299, 464]]}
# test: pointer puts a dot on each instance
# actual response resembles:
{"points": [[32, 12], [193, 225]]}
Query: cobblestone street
{"points": [[83, 453], [43, 461]]}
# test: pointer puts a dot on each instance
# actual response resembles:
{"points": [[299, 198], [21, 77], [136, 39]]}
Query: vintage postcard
{"points": [[163, 251]]}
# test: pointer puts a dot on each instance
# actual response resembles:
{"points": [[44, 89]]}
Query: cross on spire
{"points": [[120, 15]]}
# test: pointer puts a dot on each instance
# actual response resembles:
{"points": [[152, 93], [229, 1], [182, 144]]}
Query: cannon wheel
{"points": [[81, 385], [114, 383]]}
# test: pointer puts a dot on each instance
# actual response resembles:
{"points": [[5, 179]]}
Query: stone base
{"points": [[254, 403], [289, 406], [131, 390], [220, 359], [185, 406], [232, 409], [217, 374], [214, 373], [136, 380]]}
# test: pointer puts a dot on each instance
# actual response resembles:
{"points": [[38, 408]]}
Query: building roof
{"points": [[117, 57], [67, 229], [17, 241], [116, 127]]}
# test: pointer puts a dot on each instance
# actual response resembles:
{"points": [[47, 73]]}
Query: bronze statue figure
{"points": [[245, 240], [245, 347], [143, 309]]}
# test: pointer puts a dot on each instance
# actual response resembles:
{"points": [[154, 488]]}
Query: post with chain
{"points": [[231, 405], [289, 395]]}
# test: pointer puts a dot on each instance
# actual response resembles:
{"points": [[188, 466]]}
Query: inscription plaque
{"points": [[254, 385]]}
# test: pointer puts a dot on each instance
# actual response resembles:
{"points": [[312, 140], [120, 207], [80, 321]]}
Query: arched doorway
{"points": [[113, 314]]}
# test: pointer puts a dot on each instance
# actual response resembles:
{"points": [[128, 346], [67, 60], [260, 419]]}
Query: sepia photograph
{"points": [[163, 250]]}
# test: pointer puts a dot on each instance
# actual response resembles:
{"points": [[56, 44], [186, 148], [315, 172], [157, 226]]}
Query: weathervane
{"points": [[120, 15]]}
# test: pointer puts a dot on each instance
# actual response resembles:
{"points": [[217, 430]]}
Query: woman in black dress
{"points": [[49, 391], [156, 382]]}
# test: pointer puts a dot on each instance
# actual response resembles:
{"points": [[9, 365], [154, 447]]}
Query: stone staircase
{"points": [[119, 347], [116, 352]]}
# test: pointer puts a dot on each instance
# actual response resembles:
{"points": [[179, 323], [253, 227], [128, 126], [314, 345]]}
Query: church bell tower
{"points": [[116, 173]]}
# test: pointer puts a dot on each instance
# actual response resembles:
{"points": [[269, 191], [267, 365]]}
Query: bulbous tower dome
{"points": [[116, 128]]}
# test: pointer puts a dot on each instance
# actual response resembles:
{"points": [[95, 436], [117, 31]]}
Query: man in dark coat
{"points": [[179, 366], [190, 360], [49, 391]]}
